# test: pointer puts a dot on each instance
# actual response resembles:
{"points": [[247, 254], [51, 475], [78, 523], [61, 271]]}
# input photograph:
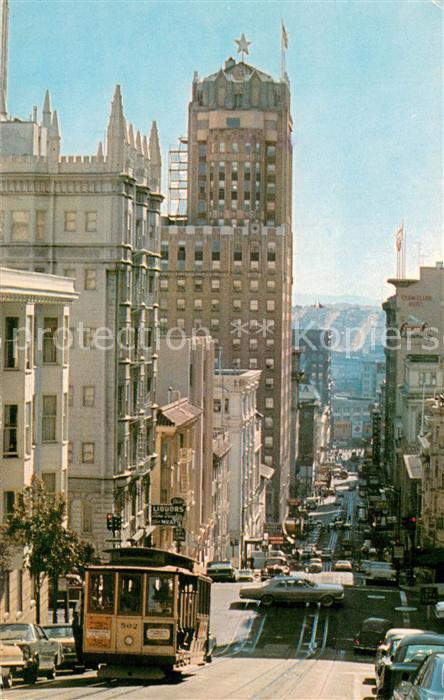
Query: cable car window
{"points": [[101, 593], [160, 599], [130, 594]]}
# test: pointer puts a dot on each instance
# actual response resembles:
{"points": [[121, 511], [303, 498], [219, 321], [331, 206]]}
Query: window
{"points": [[215, 251], [180, 282], [254, 285], [180, 304], [50, 326], [28, 431], [268, 422], [88, 450], [70, 221], [90, 279], [269, 363], [40, 224], [271, 253], [215, 304], [197, 304], [268, 442], [215, 284], [269, 402], [271, 285], [271, 305], [89, 393], [49, 418], [236, 342], [254, 305], [198, 282], [49, 480], [20, 226], [87, 517], [160, 600], [101, 593], [2, 224], [11, 342], [221, 147], [181, 253], [253, 343], [217, 406], [237, 285], [130, 594], [91, 221], [237, 255], [237, 304], [8, 504], [198, 253], [269, 343], [164, 283], [87, 338], [10, 416], [70, 452], [253, 363]]}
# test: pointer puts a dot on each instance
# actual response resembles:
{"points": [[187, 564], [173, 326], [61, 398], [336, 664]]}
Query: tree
{"points": [[51, 550]]}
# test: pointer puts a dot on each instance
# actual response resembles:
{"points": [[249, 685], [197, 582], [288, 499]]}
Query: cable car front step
{"points": [[145, 673]]}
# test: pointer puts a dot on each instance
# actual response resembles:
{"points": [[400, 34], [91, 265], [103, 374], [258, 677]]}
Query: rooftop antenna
{"points": [[400, 243]]}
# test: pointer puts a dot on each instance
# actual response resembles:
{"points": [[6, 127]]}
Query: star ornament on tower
{"points": [[242, 45]]}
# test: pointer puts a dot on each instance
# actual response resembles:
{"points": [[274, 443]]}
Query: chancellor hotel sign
{"points": [[416, 299]]}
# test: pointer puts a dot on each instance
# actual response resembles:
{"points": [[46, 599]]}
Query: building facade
{"points": [[235, 410], [186, 370], [229, 269], [414, 352], [95, 219], [34, 381]]}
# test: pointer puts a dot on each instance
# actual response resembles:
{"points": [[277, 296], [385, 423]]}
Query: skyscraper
{"points": [[229, 268]]}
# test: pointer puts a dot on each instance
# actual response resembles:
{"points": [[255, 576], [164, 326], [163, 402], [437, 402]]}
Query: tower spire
{"points": [[155, 158], [4, 25], [47, 110], [116, 136]]}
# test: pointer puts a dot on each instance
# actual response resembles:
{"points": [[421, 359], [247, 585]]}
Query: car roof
{"points": [[376, 622], [394, 631], [57, 624], [425, 637]]}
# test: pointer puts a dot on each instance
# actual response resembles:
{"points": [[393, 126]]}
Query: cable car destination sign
{"points": [[168, 513]]}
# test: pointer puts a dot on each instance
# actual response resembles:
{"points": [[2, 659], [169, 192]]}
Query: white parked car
{"points": [[439, 609]]}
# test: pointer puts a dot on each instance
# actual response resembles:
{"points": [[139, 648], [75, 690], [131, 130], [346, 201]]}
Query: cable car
{"points": [[145, 613]]}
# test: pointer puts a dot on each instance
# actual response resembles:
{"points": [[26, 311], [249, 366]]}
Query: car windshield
{"points": [[272, 562], [218, 564], [20, 632], [58, 631], [416, 652], [373, 625]]}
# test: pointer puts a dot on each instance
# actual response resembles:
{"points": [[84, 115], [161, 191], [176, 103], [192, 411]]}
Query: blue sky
{"points": [[367, 96]]}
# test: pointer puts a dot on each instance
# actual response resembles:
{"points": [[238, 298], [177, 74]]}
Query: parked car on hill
{"points": [[62, 633], [428, 683], [40, 653], [408, 657]]}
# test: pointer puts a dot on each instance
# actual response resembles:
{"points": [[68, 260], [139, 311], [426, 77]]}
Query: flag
{"points": [[284, 37], [399, 237]]}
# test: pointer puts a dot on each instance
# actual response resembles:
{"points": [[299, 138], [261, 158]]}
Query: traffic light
{"points": [[109, 521], [117, 521], [409, 522]]}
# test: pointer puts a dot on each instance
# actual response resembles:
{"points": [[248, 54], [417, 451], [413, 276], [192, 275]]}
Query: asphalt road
{"points": [[296, 652]]}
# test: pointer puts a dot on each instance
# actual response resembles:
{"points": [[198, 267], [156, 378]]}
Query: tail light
{"points": [[357, 642]]}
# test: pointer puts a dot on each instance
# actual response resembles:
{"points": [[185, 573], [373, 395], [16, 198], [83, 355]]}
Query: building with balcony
{"points": [[176, 475], [186, 370], [235, 411], [432, 455], [34, 385], [414, 352], [95, 219]]}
